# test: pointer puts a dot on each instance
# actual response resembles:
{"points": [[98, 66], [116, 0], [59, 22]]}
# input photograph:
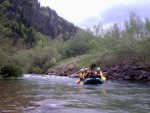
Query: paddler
{"points": [[99, 74]]}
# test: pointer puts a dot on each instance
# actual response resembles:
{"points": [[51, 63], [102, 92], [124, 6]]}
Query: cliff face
{"points": [[29, 13]]}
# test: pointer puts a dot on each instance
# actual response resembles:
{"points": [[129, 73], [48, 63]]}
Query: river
{"points": [[54, 94]]}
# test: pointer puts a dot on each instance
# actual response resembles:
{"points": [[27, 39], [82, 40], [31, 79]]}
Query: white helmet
{"points": [[98, 68], [82, 70], [86, 68]]}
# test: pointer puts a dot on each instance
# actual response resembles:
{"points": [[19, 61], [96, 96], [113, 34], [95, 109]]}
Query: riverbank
{"points": [[118, 72], [129, 72]]}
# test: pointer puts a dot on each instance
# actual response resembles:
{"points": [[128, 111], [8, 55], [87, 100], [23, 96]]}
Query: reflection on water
{"points": [[51, 94]]}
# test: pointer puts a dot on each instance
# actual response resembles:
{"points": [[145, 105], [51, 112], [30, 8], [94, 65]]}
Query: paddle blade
{"points": [[107, 78], [103, 78], [81, 83], [78, 82]]}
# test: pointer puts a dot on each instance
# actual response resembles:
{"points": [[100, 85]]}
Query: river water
{"points": [[53, 94]]}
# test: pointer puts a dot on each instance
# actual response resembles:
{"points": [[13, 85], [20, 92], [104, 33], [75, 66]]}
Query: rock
{"points": [[116, 69], [127, 78], [121, 75], [130, 72], [148, 78], [137, 73], [106, 69], [120, 79], [74, 75], [140, 77], [146, 74], [126, 67], [115, 75], [109, 72]]}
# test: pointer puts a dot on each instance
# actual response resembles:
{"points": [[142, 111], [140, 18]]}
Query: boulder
{"points": [[127, 77], [74, 75], [148, 78]]}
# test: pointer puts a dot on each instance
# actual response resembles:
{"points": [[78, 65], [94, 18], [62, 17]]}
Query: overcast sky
{"points": [[86, 13]]}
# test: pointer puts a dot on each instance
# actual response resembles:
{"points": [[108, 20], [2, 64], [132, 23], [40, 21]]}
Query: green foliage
{"points": [[147, 26], [35, 53], [10, 72], [42, 59], [35, 70], [130, 45], [21, 59], [2, 8], [59, 29], [77, 45], [21, 20], [21, 42], [92, 44], [3, 58], [6, 4]]}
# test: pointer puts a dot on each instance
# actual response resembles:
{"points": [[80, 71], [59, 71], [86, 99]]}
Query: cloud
{"points": [[118, 13], [87, 13]]}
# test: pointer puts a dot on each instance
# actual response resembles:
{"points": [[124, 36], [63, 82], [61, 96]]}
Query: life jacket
{"points": [[99, 74], [82, 75], [88, 74]]}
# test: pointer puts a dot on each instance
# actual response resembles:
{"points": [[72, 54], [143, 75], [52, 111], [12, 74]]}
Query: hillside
{"points": [[28, 33], [21, 18]]}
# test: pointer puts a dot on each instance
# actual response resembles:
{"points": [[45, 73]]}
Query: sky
{"points": [[87, 13]]}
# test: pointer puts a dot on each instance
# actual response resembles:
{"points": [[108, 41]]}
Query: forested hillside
{"points": [[22, 18], [26, 33]]}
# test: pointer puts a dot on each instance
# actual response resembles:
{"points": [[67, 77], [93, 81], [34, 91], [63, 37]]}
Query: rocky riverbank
{"points": [[70, 70], [119, 72], [129, 72]]}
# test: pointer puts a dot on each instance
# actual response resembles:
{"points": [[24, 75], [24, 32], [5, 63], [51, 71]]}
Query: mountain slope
{"points": [[27, 14]]}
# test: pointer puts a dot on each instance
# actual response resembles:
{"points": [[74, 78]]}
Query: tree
{"points": [[147, 26], [98, 30]]}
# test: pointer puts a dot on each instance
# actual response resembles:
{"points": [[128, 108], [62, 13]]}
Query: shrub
{"points": [[35, 70], [43, 58], [10, 72]]}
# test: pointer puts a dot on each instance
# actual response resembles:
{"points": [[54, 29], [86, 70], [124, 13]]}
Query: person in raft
{"points": [[99, 74], [82, 74], [88, 73]]}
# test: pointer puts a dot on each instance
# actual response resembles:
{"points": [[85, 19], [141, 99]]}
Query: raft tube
{"points": [[93, 81]]}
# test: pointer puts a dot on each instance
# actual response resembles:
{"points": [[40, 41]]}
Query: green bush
{"points": [[36, 70], [10, 72], [3, 58], [78, 45], [44, 58]]}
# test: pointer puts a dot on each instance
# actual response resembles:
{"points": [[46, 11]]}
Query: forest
{"points": [[34, 38]]}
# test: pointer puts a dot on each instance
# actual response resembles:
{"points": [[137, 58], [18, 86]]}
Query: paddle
{"points": [[102, 76], [78, 81]]}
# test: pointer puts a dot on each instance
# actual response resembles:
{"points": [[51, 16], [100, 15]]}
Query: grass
{"points": [[82, 60]]}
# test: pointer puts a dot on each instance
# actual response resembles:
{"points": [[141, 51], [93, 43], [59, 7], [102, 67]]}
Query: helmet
{"points": [[85, 68], [98, 68], [82, 70]]}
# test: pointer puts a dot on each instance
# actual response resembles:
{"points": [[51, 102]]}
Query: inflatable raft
{"points": [[93, 81]]}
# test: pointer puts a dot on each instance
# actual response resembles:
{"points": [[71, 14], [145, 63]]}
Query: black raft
{"points": [[93, 81]]}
